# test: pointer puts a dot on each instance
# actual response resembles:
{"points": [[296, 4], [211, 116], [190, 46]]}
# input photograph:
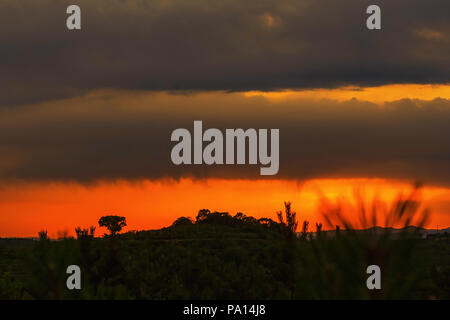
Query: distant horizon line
{"points": [[297, 232]]}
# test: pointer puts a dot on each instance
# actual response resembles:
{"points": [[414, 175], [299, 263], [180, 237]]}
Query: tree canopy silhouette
{"points": [[183, 221], [113, 223]]}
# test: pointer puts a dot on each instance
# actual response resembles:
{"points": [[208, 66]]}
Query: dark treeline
{"points": [[220, 256]]}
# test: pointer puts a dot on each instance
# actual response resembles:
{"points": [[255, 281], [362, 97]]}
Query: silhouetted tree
{"points": [[92, 231], [202, 215], [183, 221], [81, 232], [290, 219], [85, 233], [305, 230], [267, 222], [113, 223], [318, 227], [319, 233], [290, 224], [240, 218], [216, 217], [43, 235]]}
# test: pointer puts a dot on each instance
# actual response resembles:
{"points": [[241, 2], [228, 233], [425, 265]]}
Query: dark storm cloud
{"points": [[217, 45], [123, 135]]}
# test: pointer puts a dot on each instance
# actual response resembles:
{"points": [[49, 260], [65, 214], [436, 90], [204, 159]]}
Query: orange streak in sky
{"points": [[379, 94], [26, 208]]}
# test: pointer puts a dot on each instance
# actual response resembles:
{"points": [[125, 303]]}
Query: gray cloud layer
{"points": [[217, 45], [113, 135]]}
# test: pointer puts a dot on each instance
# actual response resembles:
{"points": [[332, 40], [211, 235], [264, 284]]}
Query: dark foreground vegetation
{"points": [[219, 256]]}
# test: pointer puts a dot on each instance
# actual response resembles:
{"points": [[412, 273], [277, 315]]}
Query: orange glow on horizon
{"points": [[377, 95], [27, 208]]}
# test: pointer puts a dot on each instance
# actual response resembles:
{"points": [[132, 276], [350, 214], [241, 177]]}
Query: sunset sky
{"points": [[86, 116]]}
